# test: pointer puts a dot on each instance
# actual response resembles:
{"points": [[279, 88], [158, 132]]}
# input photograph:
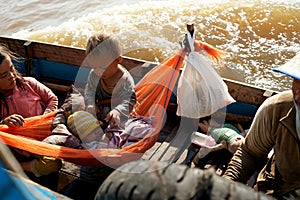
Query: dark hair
{"points": [[6, 53]]}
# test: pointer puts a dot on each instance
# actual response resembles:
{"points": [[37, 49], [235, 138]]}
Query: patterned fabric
{"points": [[82, 123], [136, 128]]}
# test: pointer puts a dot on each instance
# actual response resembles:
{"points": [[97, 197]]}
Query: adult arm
{"points": [[254, 150]]}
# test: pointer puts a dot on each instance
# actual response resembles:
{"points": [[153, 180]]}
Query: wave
{"points": [[256, 35]]}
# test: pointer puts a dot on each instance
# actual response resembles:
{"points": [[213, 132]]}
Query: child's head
{"points": [[103, 53], [84, 125], [8, 74]]}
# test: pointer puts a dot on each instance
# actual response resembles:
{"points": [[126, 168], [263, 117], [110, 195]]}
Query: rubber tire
{"points": [[147, 180]]}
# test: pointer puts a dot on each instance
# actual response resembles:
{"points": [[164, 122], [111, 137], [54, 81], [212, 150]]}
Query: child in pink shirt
{"points": [[22, 97]]}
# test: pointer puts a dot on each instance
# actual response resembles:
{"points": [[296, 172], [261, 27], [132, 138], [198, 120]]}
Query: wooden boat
{"points": [[57, 66]]}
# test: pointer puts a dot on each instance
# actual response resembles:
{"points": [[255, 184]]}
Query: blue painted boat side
{"points": [[241, 108], [56, 70]]}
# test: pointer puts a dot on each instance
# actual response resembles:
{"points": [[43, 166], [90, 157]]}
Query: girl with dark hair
{"points": [[22, 97]]}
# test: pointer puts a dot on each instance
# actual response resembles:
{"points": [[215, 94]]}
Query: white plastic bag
{"points": [[201, 91]]}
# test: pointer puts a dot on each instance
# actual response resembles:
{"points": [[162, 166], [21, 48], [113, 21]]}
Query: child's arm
{"points": [[90, 91], [128, 97], [219, 146], [114, 118]]}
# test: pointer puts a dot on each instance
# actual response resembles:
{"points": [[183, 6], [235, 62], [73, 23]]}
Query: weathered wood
{"points": [[247, 93], [68, 173], [28, 56], [150, 152], [182, 158], [15, 45], [57, 87], [59, 53], [163, 148], [243, 120]]}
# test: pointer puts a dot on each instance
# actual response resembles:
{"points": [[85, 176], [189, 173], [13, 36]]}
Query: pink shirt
{"points": [[34, 99]]}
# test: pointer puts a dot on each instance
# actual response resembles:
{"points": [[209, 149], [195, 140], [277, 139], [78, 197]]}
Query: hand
{"points": [[91, 109], [113, 118], [223, 144], [14, 120]]}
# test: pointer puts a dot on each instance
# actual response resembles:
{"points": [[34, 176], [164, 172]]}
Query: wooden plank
{"points": [[68, 173], [150, 152], [243, 120], [58, 87], [28, 51], [182, 157], [174, 149], [58, 53], [15, 45], [247, 93], [165, 136], [166, 152]]}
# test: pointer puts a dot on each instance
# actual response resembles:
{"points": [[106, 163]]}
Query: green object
{"points": [[226, 133]]}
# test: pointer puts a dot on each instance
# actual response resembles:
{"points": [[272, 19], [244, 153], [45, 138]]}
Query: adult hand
{"points": [[14, 120], [113, 118]]}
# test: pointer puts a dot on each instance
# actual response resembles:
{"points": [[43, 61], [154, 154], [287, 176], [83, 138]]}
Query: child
{"points": [[84, 125], [108, 80], [22, 97], [109, 95], [226, 137]]}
